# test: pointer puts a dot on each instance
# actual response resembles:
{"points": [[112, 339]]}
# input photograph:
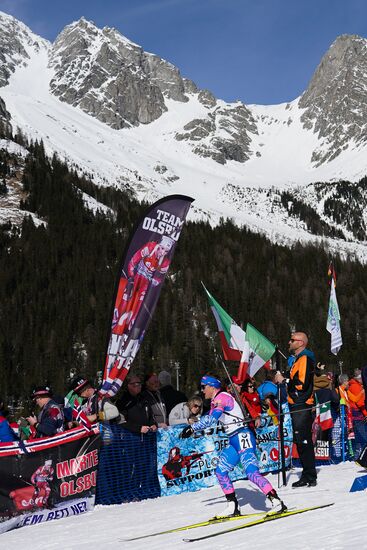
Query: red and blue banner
{"points": [[48, 478], [143, 269]]}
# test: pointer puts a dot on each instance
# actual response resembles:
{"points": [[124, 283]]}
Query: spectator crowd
{"points": [[150, 402]]}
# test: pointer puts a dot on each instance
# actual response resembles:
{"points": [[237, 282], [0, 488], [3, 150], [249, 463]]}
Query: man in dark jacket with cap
{"points": [[50, 420]]}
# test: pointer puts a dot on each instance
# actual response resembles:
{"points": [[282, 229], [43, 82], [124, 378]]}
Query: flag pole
{"points": [[281, 353], [235, 392], [281, 421]]}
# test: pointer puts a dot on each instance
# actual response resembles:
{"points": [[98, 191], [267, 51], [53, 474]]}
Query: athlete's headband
{"points": [[210, 381]]}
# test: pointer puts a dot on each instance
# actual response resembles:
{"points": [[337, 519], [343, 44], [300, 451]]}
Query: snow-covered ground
{"points": [[338, 527]]}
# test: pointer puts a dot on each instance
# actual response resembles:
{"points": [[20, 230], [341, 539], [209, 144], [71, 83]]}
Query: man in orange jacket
{"points": [[301, 401]]}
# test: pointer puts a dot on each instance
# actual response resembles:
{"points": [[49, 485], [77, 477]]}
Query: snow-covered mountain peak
{"points": [[90, 29], [335, 100], [110, 77], [345, 59], [17, 42], [129, 118]]}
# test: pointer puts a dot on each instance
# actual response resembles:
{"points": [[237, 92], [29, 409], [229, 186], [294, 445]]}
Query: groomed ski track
{"points": [[339, 527]]}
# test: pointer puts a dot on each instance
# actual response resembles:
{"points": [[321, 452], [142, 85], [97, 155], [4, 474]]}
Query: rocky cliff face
{"points": [[15, 38], [110, 77], [5, 126], [335, 100], [223, 135], [116, 81]]}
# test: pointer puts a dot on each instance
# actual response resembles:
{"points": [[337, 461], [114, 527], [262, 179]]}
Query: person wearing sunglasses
{"points": [[137, 413], [187, 412], [301, 401], [251, 399], [225, 411]]}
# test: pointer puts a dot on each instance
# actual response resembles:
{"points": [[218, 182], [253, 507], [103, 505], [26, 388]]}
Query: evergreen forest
{"points": [[57, 280]]}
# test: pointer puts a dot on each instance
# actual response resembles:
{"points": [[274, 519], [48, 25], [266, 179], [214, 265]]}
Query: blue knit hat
{"points": [[208, 380]]}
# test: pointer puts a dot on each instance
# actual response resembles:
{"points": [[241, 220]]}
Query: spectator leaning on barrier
{"points": [[269, 388], [187, 412], [95, 407], [152, 394], [170, 396], [6, 433], [250, 398], [325, 394], [301, 401], [50, 420], [357, 396], [342, 389], [323, 388], [71, 400], [364, 383], [358, 412], [344, 399], [137, 415], [138, 459], [268, 393]]}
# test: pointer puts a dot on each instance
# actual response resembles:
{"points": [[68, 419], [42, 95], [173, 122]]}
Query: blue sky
{"points": [[259, 51]]}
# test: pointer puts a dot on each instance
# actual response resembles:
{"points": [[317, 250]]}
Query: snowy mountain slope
{"points": [[336, 528], [334, 102], [66, 93]]}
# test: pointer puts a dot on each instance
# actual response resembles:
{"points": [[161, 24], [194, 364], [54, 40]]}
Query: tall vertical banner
{"points": [[143, 269], [333, 318]]}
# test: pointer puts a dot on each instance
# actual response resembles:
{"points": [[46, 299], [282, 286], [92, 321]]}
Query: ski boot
{"points": [[232, 509], [277, 505]]}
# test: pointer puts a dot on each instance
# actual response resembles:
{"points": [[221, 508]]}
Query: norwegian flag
{"points": [[80, 416]]}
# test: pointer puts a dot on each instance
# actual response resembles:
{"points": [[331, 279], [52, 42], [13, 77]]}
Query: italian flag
{"points": [[261, 350], [323, 415], [232, 337], [250, 348]]}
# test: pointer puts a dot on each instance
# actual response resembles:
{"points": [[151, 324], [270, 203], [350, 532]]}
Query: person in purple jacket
{"points": [[225, 410]]}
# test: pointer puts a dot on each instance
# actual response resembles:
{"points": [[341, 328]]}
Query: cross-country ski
{"points": [[212, 521], [265, 519]]}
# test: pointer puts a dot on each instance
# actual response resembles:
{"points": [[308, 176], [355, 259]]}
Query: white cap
{"points": [[167, 242]]}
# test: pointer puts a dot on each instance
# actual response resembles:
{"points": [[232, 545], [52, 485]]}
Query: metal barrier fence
{"points": [[127, 466]]}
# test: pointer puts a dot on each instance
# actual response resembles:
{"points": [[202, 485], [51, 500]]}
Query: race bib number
{"points": [[245, 440]]}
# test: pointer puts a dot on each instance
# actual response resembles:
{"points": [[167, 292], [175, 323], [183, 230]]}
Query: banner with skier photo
{"points": [[47, 478], [143, 269], [189, 464]]}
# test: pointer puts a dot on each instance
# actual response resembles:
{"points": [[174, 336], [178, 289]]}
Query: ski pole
{"points": [[281, 420]]}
